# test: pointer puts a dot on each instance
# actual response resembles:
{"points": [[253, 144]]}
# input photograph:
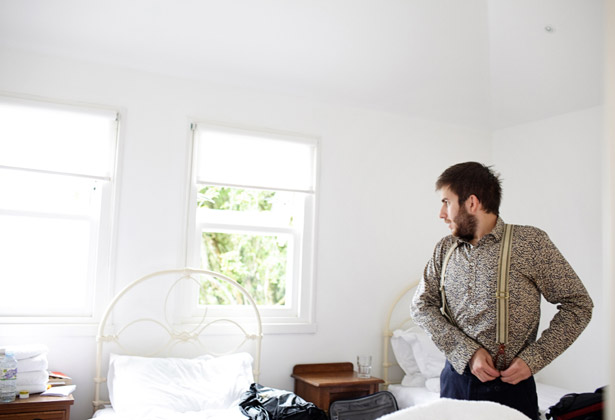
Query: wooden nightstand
{"points": [[37, 407], [327, 382]]}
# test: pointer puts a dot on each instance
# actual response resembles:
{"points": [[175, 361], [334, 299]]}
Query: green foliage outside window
{"points": [[237, 199], [257, 262]]}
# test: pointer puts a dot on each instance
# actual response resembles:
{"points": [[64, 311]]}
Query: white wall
{"points": [[377, 208], [553, 179]]}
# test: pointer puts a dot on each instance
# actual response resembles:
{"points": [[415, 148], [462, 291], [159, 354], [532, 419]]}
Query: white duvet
{"points": [[448, 409]]}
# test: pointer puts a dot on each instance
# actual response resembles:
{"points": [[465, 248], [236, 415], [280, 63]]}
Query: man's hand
{"points": [[481, 366], [516, 372]]}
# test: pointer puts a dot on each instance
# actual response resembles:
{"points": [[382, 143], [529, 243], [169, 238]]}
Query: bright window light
{"points": [[56, 166], [253, 219]]}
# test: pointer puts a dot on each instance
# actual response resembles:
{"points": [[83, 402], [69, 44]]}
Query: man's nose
{"points": [[443, 213]]}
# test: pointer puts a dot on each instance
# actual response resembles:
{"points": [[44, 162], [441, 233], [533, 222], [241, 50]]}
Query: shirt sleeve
{"points": [[559, 285], [425, 311]]}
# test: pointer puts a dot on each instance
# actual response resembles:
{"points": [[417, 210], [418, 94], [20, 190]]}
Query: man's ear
{"points": [[473, 204]]}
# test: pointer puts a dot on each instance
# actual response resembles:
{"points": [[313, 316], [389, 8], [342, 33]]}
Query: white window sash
{"points": [[299, 317], [101, 224]]}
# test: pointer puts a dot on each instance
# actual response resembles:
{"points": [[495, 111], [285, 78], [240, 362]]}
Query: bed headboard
{"points": [[398, 317], [157, 315]]}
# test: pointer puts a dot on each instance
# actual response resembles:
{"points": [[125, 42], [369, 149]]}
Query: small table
{"points": [[37, 407], [324, 383]]}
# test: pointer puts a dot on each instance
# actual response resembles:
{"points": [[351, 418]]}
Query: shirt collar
{"points": [[497, 233], [498, 230]]}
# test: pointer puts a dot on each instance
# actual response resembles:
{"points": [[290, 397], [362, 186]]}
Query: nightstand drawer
{"points": [[48, 415], [37, 407]]}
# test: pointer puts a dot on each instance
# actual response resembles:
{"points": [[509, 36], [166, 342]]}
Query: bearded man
{"points": [[480, 365]]}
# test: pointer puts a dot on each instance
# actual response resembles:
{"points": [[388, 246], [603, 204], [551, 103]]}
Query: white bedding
{"points": [[159, 413], [151, 388], [408, 396], [447, 409]]}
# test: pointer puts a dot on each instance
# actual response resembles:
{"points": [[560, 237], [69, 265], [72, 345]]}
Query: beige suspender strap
{"points": [[502, 296], [444, 309]]}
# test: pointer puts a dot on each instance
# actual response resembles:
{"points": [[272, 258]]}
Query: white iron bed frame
{"points": [[395, 321], [247, 325]]}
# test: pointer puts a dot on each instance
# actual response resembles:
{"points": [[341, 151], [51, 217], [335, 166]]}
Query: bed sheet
{"points": [[232, 413], [407, 396]]}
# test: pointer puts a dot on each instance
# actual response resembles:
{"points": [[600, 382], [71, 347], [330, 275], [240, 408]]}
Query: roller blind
{"points": [[56, 138], [228, 156]]}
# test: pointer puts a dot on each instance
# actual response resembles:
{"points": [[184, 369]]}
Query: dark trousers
{"points": [[521, 397]]}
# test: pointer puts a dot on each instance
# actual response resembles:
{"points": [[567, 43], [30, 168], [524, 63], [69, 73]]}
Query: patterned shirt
{"points": [[537, 268]]}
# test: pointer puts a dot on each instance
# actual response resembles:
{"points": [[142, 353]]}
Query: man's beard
{"points": [[466, 225]]}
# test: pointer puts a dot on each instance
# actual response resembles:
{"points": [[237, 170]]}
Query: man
{"points": [[477, 366]]}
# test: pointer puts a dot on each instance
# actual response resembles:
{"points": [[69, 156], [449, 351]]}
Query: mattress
{"points": [[408, 396]]}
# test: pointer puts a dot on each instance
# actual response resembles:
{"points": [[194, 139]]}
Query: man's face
{"points": [[461, 223]]}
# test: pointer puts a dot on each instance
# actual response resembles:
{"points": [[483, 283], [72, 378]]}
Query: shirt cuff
{"points": [[460, 358], [532, 357]]}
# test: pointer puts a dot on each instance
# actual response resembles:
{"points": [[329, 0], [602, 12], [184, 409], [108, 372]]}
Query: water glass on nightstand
{"points": [[364, 366]]}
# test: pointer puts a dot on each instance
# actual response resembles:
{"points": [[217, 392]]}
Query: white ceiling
{"points": [[488, 63]]}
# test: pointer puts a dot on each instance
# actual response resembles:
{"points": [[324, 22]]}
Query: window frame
{"points": [[103, 234], [299, 317]]}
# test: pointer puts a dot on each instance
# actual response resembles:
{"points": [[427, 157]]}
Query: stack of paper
{"points": [[60, 391]]}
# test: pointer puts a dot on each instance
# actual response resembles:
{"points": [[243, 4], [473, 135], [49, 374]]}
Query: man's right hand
{"points": [[481, 366]]}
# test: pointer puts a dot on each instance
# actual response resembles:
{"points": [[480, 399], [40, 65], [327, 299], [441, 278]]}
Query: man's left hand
{"points": [[516, 372]]}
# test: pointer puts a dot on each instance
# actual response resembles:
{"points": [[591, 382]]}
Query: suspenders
{"points": [[444, 309], [501, 294]]}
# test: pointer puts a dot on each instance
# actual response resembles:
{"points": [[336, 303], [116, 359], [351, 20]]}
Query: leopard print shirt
{"points": [[537, 269]]}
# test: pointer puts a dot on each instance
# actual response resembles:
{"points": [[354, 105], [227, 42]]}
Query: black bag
{"points": [[262, 403], [369, 407], [584, 406]]}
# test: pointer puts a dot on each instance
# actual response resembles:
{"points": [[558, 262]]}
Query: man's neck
{"points": [[486, 223]]}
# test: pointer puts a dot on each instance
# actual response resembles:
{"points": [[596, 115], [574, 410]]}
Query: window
{"points": [[56, 166], [252, 218]]}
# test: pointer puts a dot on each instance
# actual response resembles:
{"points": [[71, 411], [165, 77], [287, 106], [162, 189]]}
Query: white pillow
{"points": [[427, 357], [433, 384], [405, 358], [179, 384]]}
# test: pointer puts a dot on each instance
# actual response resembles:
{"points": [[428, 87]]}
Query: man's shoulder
{"points": [[444, 245], [527, 233], [528, 230], [446, 242]]}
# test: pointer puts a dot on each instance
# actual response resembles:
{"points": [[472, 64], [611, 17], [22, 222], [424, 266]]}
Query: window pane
{"points": [[56, 167], [55, 139], [257, 262], [278, 204], [43, 265]]}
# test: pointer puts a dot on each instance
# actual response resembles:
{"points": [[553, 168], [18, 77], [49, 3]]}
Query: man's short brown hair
{"points": [[473, 178]]}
